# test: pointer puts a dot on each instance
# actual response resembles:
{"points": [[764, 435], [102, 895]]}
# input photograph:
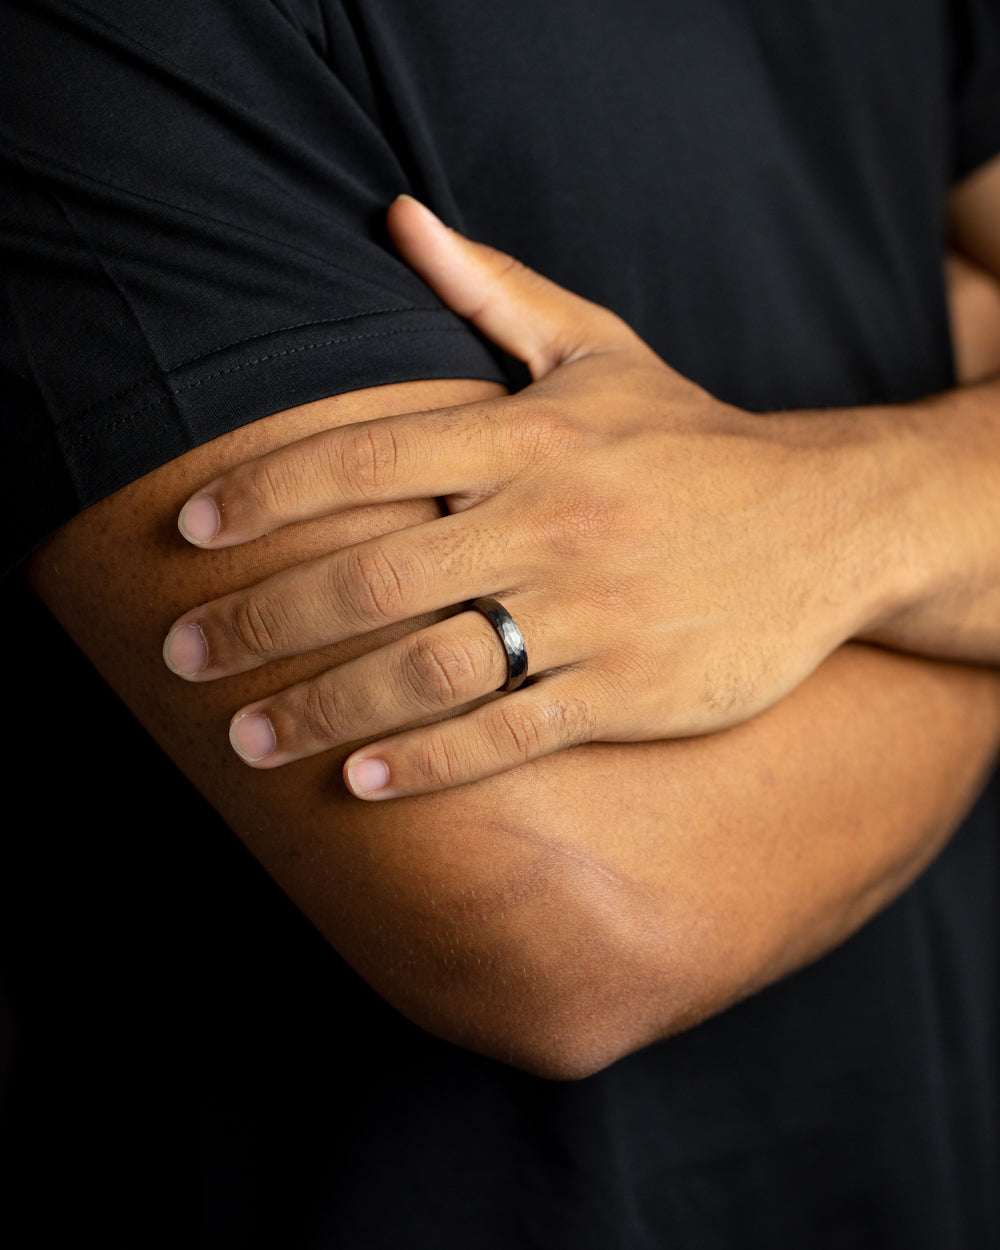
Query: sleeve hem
{"points": [[134, 432]]}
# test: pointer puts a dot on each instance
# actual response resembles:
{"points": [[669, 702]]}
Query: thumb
{"points": [[530, 317]]}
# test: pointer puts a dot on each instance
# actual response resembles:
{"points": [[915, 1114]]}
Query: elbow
{"points": [[559, 1032], [526, 950], [571, 1046], [561, 988], [568, 1023], [579, 1029]]}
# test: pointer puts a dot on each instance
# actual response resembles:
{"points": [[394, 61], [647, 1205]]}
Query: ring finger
{"points": [[436, 671]]}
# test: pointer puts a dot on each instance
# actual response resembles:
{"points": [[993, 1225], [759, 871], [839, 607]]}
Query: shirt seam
{"points": [[124, 418], [252, 338]]}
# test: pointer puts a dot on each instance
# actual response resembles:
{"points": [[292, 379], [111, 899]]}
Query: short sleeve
{"points": [[977, 84], [193, 238]]}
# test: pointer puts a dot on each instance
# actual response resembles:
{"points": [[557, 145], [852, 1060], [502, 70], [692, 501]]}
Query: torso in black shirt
{"points": [[759, 189]]}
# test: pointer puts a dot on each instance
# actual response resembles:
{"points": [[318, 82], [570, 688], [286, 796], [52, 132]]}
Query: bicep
{"points": [[119, 574]]}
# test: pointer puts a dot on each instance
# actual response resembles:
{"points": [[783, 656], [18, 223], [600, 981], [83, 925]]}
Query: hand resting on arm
{"points": [[676, 564], [582, 905]]}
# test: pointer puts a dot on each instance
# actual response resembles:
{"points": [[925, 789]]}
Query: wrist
{"points": [[937, 516], [856, 516]]}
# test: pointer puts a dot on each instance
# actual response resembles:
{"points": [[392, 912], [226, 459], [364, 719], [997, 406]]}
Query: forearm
{"points": [[913, 518], [944, 453], [949, 450]]}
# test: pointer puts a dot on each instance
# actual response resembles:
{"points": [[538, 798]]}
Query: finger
{"points": [[415, 456], [546, 716], [427, 674], [530, 317], [362, 588]]}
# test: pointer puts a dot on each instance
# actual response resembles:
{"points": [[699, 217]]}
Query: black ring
{"points": [[510, 636]]}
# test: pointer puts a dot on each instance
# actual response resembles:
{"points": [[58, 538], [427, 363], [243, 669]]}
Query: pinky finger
{"points": [[547, 716]]}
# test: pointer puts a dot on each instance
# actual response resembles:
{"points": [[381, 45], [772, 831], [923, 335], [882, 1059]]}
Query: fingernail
{"points": [[199, 520], [186, 651], [367, 777], [252, 736]]}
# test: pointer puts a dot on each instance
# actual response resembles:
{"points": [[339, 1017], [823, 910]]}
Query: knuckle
{"points": [[322, 713], [504, 266], [267, 488], [584, 520], [369, 459], [376, 586], [577, 525], [607, 595], [531, 731], [440, 673], [517, 730], [435, 762], [253, 626], [542, 430]]}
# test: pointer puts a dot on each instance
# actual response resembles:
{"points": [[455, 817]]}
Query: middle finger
{"points": [[361, 588]]}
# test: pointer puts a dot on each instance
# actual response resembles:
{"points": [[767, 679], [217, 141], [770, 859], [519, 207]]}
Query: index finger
{"points": [[390, 459]]}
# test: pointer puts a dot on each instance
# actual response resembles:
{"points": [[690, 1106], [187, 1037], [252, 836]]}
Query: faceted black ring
{"points": [[510, 636]]}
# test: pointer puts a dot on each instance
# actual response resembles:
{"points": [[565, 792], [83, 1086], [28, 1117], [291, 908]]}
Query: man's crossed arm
{"points": [[584, 904]]}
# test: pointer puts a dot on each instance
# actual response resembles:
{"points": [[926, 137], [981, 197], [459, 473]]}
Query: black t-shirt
{"points": [[193, 203]]}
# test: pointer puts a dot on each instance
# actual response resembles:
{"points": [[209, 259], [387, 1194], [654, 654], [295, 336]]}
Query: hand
{"points": [[675, 565]]}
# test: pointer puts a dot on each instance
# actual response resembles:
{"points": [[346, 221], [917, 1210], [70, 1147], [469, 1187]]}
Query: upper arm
{"points": [[567, 912], [427, 898], [118, 574]]}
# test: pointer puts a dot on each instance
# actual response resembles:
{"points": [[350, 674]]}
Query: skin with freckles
{"points": [[582, 904]]}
